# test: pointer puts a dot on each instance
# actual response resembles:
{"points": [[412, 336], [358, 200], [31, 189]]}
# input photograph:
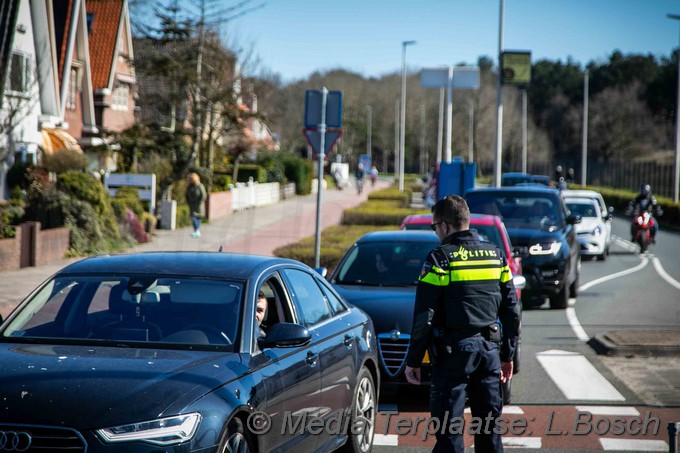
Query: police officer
{"points": [[465, 288]]}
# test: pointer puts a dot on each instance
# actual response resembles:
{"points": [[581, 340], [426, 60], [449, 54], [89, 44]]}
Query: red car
{"points": [[490, 227]]}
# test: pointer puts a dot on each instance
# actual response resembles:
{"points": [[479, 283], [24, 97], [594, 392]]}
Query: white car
{"points": [[597, 196], [592, 232]]}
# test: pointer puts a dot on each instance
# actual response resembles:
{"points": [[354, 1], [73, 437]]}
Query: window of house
{"points": [[19, 74], [120, 97], [72, 90]]}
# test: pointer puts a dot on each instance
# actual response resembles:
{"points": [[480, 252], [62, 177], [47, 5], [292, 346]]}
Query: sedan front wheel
{"points": [[362, 427]]}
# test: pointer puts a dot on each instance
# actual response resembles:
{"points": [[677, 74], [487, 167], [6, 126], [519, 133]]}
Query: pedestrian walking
{"points": [[195, 196], [466, 315]]}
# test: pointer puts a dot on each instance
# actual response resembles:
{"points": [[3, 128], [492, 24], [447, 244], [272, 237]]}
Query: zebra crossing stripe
{"points": [[609, 410], [633, 444], [521, 442], [391, 440], [576, 377]]}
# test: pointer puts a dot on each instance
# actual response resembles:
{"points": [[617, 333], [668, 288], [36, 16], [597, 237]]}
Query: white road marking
{"points": [[513, 410], [570, 311], [643, 262], [633, 444], [391, 440], [521, 442], [660, 270], [579, 331], [576, 377], [609, 410]]}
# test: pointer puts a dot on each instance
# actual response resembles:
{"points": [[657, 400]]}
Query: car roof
{"points": [[581, 200], [513, 174], [581, 193], [422, 219], [515, 189], [201, 264], [398, 235]]}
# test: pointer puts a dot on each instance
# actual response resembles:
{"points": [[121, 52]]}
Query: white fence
{"points": [[252, 194]]}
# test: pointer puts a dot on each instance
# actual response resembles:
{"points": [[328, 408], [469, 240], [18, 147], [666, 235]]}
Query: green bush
{"points": [[300, 171], [84, 187], [65, 160], [403, 198], [221, 182], [335, 240], [247, 171], [127, 198]]}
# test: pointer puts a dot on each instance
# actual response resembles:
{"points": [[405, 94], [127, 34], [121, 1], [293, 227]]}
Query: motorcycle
{"points": [[642, 230], [643, 222]]}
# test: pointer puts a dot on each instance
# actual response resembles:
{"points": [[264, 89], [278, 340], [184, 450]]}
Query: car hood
{"points": [[588, 224], [88, 387], [389, 307], [528, 237]]}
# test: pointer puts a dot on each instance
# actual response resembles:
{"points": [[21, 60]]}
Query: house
{"points": [[47, 97], [20, 109], [113, 75]]}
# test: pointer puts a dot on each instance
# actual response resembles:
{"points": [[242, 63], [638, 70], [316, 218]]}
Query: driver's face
{"points": [[261, 309]]}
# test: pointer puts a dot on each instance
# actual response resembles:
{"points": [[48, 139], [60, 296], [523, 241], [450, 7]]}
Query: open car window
{"points": [[138, 309]]}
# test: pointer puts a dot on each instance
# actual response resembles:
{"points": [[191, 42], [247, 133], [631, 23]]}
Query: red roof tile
{"points": [[103, 38]]}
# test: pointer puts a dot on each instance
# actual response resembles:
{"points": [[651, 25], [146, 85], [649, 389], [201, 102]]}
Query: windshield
{"points": [[139, 309], [586, 209], [519, 210], [394, 263]]}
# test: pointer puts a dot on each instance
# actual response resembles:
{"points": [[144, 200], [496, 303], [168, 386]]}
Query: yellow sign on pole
{"points": [[516, 67]]}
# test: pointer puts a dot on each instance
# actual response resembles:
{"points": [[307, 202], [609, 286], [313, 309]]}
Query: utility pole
{"points": [[369, 146], [498, 164], [584, 140], [403, 113]]}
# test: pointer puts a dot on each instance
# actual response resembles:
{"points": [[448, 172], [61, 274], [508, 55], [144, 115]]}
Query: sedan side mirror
{"points": [[322, 271], [573, 219], [286, 335], [610, 213]]}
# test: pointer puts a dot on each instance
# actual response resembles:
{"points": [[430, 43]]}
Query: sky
{"points": [[297, 37]]}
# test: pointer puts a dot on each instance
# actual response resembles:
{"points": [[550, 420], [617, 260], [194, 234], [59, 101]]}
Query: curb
{"points": [[637, 342]]}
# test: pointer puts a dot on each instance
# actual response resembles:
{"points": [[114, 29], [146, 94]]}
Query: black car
{"points": [[163, 352], [379, 273], [541, 227]]}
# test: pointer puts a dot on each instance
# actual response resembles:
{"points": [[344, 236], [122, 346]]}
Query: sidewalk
{"points": [[256, 231]]}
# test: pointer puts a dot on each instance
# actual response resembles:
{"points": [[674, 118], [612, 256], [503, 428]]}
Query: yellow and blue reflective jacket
{"points": [[464, 284]]}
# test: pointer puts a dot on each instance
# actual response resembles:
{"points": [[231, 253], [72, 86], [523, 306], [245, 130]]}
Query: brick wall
{"points": [[45, 247], [51, 245], [10, 252], [219, 204]]}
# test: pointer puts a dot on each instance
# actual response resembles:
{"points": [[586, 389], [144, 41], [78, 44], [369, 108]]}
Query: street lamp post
{"points": [[499, 102], [676, 169], [402, 140], [369, 145]]}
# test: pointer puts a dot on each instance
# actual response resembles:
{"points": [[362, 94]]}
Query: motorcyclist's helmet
{"points": [[645, 190]]}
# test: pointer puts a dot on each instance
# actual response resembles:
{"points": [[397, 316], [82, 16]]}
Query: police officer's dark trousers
{"points": [[467, 367]]}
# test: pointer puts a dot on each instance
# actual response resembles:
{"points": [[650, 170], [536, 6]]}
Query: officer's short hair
{"points": [[453, 210]]}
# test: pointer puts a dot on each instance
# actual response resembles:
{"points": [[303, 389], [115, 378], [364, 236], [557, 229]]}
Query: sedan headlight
{"points": [[545, 249], [163, 431]]}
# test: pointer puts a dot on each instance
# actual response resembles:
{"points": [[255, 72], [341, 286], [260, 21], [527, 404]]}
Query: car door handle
{"points": [[348, 341], [311, 358]]}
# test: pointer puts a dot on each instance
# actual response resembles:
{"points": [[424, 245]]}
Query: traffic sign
{"points": [[313, 137], [313, 100]]}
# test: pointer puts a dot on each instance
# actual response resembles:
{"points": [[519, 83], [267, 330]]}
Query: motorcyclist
{"points": [[645, 201]]}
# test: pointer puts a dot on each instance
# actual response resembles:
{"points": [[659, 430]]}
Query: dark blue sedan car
{"points": [[163, 352]]}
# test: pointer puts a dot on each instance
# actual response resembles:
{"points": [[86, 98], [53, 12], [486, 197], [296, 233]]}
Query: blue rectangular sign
{"points": [[313, 100]]}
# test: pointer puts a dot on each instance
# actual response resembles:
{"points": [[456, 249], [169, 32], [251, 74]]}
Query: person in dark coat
{"points": [[195, 196]]}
